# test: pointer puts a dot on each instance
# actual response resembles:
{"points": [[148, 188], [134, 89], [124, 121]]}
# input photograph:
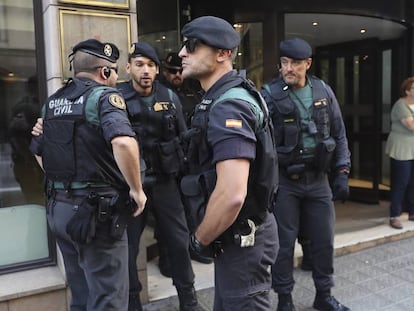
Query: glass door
{"points": [[352, 69]]}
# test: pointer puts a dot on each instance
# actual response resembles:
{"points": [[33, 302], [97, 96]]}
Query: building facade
{"points": [[363, 50]]}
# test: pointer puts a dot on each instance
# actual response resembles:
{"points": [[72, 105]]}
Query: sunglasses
{"points": [[191, 44], [113, 68], [174, 71]]}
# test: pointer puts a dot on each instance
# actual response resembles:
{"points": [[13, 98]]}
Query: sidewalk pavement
{"points": [[377, 278], [374, 266]]}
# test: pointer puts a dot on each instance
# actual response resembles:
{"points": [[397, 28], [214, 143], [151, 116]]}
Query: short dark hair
{"points": [[406, 85], [84, 62]]}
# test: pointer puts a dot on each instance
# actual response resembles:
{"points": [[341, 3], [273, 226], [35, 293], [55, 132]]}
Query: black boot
{"points": [[324, 301], [285, 303], [188, 299], [134, 303]]}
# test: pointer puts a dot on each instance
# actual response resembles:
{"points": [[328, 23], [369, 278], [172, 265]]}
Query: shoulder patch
{"points": [[117, 101]]}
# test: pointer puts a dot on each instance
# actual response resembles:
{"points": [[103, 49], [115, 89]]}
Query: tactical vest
{"points": [[156, 127], [263, 175], [74, 147], [287, 123]]}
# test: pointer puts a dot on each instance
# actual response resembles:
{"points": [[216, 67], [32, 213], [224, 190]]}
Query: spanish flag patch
{"points": [[233, 123]]}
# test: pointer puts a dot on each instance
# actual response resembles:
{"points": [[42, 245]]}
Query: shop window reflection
{"points": [[24, 238]]}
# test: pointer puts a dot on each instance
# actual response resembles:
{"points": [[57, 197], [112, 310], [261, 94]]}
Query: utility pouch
{"points": [[289, 141], [323, 154], [82, 226], [171, 156], [196, 190], [149, 181], [168, 126], [104, 209]]}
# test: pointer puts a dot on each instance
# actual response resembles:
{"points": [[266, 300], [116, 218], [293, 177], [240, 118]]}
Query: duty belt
{"points": [[74, 196], [294, 172], [79, 185], [77, 196]]}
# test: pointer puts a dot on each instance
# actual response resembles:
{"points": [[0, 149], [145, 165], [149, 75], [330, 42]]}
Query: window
{"points": [[24, 237]]}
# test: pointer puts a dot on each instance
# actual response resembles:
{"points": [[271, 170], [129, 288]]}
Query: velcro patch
{"points": [[160, 106], [117, 101], [322, 102]]}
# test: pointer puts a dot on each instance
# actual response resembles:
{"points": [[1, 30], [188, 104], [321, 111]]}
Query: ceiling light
{"points": [[315, 24], [362, 30]]}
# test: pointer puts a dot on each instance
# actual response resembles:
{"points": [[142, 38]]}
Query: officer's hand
{"points": [[211, 251], [140, 200], [37, 129], [340, 189]]}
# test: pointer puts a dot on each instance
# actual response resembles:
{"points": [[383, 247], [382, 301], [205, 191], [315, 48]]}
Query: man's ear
{"points": [[223, 54], [106, 72], [102, 74], [128, 67], [308, 63]]}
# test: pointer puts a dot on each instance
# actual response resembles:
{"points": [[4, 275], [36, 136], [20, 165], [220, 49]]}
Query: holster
{"points": [[109, 211], [323, 154], [82, 226], [117, 210]]}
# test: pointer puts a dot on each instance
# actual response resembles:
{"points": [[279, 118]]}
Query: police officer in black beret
{"points": [[232, 169], [186, 89], [90, 157], [310, 141], [156, 116]]}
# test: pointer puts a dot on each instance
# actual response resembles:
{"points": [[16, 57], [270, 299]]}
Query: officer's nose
{"points": [[182, 52]]}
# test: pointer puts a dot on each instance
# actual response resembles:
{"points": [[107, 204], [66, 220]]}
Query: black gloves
{"points": [[211, 251], [340, 188]]}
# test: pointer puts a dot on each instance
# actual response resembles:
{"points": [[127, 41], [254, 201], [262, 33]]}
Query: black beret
{"points": [[212, 30], [295, 48], [172, 60], [143, 49], [104, 50]]}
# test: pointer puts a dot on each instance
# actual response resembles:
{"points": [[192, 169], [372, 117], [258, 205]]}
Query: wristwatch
{"points": [[196, 244]]}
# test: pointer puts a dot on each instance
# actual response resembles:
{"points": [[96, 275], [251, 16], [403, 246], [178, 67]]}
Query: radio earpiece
{"points": [[106, 72]]}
